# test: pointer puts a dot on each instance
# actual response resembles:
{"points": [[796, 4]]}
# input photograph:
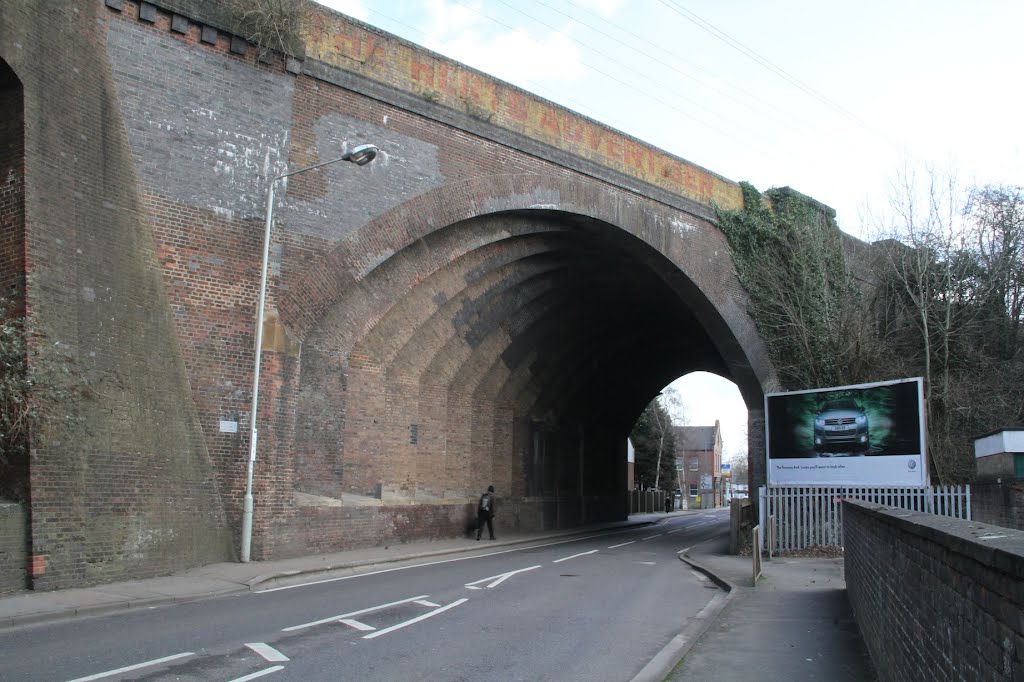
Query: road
{"points": [[592, 607]]}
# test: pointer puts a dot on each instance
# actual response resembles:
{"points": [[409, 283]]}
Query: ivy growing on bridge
{"points": [[788, 254]]}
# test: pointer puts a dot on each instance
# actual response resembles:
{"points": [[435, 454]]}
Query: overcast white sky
{"points": [[829, 98]]}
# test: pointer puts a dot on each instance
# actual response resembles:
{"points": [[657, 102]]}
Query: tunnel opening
{"points": [[513, 348]]}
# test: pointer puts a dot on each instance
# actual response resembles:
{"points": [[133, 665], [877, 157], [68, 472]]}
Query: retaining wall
{"points": [[936, 598]]}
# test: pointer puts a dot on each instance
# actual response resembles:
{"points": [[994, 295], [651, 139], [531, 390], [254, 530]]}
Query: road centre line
{"points": [[261, 673], [498, 579], [360, 612], [417, 619], [566, 558], [444, 561], [268, 652], [129, 668], [658, 535], [622, 544]]}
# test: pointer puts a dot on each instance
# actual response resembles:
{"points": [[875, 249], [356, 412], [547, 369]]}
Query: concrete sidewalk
{"points": [[230, 577], [796, 624]]}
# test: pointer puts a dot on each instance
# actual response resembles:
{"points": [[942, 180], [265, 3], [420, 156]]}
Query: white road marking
{"points": [[623, 544], [358, 625], [684, 549], [355, 613], [700, 576], [646, 563], [652, 536], [424, 602], [498, 579], [268, 652], [261, 673], [146, 664], [444, 561], [417, 619], [558, 561], [674, 531]]}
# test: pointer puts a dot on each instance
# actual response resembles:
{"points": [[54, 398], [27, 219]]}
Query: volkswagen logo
{"points": [[911, 464]]}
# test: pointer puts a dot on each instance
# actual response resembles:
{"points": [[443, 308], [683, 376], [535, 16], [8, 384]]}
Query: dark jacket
{"points": [[485, 507]]}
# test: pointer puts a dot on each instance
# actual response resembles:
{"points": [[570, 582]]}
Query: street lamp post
{"points": [[360, 155]]}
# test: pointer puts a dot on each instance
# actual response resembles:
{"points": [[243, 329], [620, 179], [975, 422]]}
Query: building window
{"points": [[694, 464], [694, 490]]}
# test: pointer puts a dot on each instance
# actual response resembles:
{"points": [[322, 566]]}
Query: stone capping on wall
{"points": [[1004, 551]]}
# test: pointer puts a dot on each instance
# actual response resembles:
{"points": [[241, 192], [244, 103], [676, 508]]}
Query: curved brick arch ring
{"points": [[703, 273]]}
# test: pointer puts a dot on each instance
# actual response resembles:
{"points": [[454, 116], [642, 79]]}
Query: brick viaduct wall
{"points": [[998, 503], [936, 598], [466, 310]]}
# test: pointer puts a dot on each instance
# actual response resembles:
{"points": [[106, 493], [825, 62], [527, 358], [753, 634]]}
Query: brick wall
{"points": [[1001, 504], [12, 189], [935, 598]]}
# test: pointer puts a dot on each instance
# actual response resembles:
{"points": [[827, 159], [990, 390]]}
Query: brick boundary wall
{"points": [[936, 598], [1001, 504]]}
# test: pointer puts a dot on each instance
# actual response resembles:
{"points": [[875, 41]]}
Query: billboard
{"points": [[869, 434]]}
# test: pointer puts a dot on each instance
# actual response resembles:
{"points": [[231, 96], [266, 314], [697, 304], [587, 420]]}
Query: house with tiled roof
{"points": [[699, 464]]}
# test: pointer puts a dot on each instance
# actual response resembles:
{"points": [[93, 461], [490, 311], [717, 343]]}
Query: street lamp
{"points": [[360, 155]]}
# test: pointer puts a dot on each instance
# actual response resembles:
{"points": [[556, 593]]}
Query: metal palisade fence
{"points": [[806, 517]]}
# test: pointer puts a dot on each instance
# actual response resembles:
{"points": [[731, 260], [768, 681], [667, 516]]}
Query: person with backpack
{"points": [[485, 513]]}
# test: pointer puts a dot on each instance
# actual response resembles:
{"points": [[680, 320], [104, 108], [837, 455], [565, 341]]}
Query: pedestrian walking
{"points": [[485, 513]]}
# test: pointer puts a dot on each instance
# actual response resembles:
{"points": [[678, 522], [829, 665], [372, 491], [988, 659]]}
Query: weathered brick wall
{"points": [[1001, 504], [125, 489], [935, 598], [13, 547]]}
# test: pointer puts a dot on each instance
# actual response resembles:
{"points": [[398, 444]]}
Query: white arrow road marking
{"points": [[417, 619], [363, 627], [146, 664], [498, 579], [622, 544], [268, 652], [261, 673], [566, 558], [355, 613]]}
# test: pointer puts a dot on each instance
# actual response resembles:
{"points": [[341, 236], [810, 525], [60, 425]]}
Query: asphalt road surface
{"points": [[594, 607]]}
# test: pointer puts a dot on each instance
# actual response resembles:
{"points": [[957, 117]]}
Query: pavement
{"points": [[796, 624]]}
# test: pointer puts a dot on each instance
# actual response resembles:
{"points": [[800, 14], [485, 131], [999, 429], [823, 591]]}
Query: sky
{"points": [[832, 99]]}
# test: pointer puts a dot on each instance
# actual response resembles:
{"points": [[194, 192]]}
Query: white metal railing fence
{"points": [[803, 517]]}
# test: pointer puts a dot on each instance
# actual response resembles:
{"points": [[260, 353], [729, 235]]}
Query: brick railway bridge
{"points": [[493, 300]]}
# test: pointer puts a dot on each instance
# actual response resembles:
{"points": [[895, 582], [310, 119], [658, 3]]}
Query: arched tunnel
{"points": [[516, 348]]}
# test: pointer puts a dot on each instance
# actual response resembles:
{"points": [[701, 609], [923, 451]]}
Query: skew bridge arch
{"points": [[503, 330], [494, 300]]}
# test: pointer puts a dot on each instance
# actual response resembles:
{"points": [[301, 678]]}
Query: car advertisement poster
{"points": [[864, 435]]}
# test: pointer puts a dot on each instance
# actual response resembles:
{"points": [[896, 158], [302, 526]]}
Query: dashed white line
{"points": [[268, 652], [652, 536], [417, 619], [623, 544], [428, 604], [260, 673], [129, 668], [566, 558], [358, 625], [355, 613]]}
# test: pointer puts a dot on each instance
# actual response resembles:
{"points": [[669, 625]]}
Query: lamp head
{"points": [[362, 154]]}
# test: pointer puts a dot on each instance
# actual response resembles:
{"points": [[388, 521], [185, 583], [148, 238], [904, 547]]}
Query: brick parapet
{"points": [[935, 597]]}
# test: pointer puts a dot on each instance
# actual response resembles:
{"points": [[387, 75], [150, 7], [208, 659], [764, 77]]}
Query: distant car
{"points": [[841, 426]]}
